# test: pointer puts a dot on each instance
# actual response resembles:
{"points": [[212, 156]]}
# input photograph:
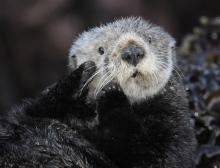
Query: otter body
{"points": [[154, 133], [147, 123], [46, 132], [128, 109]]}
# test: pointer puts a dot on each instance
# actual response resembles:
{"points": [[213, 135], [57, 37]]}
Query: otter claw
{"points": [[113, 87], [108, 89]]}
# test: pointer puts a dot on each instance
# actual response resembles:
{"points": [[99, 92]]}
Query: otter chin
{"points": [[131, 52]]}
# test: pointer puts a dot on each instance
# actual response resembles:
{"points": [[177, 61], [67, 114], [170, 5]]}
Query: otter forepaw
{"points": [[110, 91], [111, 96]]}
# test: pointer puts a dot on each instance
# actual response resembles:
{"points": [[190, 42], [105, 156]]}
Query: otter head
{"points": [[135, 54]]}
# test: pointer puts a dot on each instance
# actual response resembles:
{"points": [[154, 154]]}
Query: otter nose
{"points": [[133, 55]]}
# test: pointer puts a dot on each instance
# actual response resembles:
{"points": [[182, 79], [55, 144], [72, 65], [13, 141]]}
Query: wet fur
{"points": [[46, 131], [55, 130], [60, 128], [156, 133], [51, 132]]}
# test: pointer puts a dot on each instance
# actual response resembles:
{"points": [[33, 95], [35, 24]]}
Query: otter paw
{"points": [[109, 90], [111, 96]]}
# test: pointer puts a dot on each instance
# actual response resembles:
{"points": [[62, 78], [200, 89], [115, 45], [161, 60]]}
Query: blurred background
{"points": [[35, 36]]}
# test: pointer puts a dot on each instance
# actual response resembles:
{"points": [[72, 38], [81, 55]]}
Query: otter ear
{"points": [[72, 62], [172, 43]]}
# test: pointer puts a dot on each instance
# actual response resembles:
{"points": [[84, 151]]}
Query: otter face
{"points": [[137, 55]]}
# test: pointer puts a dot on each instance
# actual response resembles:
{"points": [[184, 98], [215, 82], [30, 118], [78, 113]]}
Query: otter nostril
{"points": [[140, 55], [126, 56]]}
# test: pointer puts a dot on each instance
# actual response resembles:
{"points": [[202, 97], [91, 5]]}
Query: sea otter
{"points": [[143, 117], [122, 105]]}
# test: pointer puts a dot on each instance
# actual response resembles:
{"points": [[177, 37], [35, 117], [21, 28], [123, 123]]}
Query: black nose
{"points": [[133, 54]]}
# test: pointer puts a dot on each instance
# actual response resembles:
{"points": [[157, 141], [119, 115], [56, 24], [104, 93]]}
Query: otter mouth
{"points": [[135, 74]]}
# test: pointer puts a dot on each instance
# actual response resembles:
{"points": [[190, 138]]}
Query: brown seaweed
{"points": [[200, 63]]}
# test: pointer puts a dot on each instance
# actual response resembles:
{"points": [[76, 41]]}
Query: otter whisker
{"points": [[104, 75], [101, 85], [155, 77], [98, 71], [162, 64], [101, 80], [90, 79], [178, 71], [174, 67], [111, 77], [90, 68], [105, 82], [108, 78]]}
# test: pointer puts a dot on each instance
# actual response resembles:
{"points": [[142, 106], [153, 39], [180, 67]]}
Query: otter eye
{"points": [[101, 50], [149, 39]]}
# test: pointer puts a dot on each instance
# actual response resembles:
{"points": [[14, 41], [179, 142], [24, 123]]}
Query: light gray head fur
{"points": [[154, 70]]}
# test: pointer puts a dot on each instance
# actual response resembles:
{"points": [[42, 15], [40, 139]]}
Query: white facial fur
{"points": [[154, 70]]}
